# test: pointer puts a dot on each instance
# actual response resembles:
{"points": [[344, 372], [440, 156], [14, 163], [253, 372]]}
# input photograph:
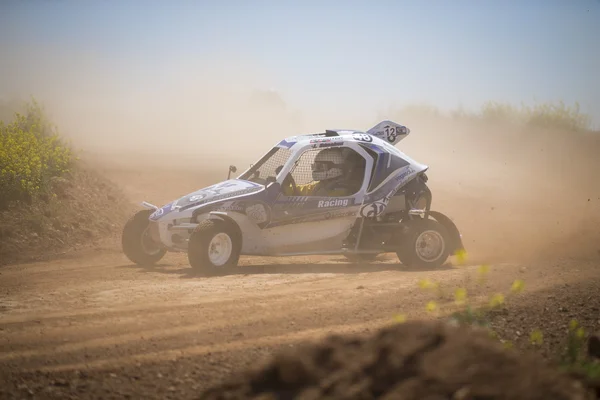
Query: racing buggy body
{"points": [[380, 203]]}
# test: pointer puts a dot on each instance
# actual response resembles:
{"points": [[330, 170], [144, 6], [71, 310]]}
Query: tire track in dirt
{"points": [[315, 291], [238, 313], [228, 346]]}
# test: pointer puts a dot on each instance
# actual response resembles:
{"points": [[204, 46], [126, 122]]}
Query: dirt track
{"points": [[124, 329], [93, 325], [131, 330]]}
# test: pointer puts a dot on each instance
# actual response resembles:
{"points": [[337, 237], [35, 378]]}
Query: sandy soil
{"points": [[96, 325], [92, 325]]}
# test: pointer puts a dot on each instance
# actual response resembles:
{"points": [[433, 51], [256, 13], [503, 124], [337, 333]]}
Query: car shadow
{"points": [[347, 267]]}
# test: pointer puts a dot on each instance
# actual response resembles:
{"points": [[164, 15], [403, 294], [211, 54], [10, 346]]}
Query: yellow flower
{"points": [[426, 284], [460, 295], [29, 157], [536, 337], [461, 256], [483, 269], [400, 318], [580, 333], [573, 324], [517, 286], [431, 306], [497, 300]]}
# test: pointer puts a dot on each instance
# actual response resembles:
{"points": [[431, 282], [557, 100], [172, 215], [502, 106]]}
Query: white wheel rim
{"points": [[220, 249], [148, 244], [430, 246]]}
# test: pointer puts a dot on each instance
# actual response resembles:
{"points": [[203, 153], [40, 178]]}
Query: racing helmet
{"points": [[328, 164]]}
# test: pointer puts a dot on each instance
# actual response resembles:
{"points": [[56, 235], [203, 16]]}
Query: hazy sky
{"points": [[347, 54]]}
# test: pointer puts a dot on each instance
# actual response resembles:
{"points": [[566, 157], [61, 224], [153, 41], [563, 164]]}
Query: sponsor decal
{"points": [[392, 132], [222, 197], [232, 194], [161, 211], [376, 208], [196, 197], [327, 140], [333, 144], [231, 206], [339, 214], [333, 203], [287, 144], [373, 209], [157, 213], [388, 131], [214, 190], [393, 184], [362, 137], [400, 178]]}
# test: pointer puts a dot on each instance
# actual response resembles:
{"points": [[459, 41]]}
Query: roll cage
{"points": [[381, 158]]}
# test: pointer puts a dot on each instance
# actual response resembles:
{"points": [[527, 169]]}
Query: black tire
{"points": [[136, 242], [199, 246], [407, 251], [405, 259], [361, 257]]}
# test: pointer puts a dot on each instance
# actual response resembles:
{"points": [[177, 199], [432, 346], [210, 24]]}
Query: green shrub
{"points": [[31, 154]]}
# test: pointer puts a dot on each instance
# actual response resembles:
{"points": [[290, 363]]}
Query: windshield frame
{"points": [[248, 174]]}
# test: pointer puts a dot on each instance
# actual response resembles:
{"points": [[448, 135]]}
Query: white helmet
{"points": [[328, 164]]}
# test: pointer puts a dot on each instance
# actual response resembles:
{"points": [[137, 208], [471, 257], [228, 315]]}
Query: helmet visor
{"points": [[323, 166]]}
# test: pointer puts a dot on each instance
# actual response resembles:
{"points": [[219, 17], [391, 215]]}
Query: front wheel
{"points": [[214, 246], [137, 242], [425, 245]]}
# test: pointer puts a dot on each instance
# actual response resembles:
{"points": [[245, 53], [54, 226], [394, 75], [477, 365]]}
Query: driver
{"points": [[330, 173]]}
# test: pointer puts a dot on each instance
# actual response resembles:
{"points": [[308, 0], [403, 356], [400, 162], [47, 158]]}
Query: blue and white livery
{"points": [[268, 210]]}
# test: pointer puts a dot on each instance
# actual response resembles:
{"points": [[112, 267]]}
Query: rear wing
{"points": [[389, 131]]}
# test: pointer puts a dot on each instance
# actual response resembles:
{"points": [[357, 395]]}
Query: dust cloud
{"points": [[207, 114], [514, 192]]}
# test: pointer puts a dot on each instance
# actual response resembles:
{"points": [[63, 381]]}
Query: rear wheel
{"points": [[214, 247], [425, 245], [137, 242]]}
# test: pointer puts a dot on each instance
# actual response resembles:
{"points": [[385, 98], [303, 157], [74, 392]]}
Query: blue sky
{"points": [[331, 54]]}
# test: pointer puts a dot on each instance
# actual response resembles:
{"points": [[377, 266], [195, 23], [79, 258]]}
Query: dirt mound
{"points": [[414, 360], [84, 208]]}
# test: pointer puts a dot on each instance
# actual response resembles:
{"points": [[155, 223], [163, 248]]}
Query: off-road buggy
{"points": [[261, 212]]}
